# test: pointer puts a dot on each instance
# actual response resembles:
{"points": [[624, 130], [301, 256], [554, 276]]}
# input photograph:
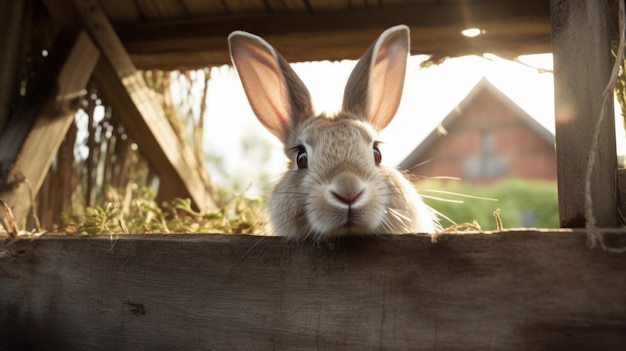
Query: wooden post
{"points": [[11, 13], [582, 66], [33, 137]]}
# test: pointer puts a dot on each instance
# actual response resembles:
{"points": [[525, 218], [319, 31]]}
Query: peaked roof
{"points": [[414, 157]]}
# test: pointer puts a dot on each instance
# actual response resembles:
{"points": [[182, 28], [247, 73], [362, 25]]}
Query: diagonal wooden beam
{"points": [[34, 135], [125, 89]]}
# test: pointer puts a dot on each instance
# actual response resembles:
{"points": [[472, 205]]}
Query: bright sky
{"points": [[429, 95]]}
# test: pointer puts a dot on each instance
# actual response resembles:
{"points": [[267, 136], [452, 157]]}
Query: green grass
{"points": [[514, 197]]}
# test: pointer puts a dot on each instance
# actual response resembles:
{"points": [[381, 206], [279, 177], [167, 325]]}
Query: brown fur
{"points": [[342, 191]]}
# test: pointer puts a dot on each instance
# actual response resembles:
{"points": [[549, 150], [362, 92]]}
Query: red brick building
{"points": [[485, 138]]}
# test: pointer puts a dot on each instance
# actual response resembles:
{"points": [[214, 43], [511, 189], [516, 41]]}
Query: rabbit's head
{"points": [[335, 184]]}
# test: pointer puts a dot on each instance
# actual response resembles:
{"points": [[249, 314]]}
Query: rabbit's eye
{"points": [[302, 160], [377, 156]]}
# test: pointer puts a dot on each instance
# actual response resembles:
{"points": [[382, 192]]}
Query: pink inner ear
{"points": [[386, 80], [263, 82], [269, 104]]}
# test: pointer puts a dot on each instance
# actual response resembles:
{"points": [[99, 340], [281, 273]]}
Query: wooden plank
{"points": [[329, 5], [35, 133], [579, 80], [621, 186], [244, 6], [162, 9], [287, 6], [124, 88], [201, 8], [506, 291], [307, 47], [10, 24], [511, 28], [121, 11]]}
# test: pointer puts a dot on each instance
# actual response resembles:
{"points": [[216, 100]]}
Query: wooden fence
{"points": [[515, 290]]}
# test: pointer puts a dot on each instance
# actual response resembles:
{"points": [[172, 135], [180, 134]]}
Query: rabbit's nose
{"points": [[347, 188], [347, 199]]}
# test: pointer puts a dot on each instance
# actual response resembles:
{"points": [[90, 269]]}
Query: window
{"points": [[487, 164]]}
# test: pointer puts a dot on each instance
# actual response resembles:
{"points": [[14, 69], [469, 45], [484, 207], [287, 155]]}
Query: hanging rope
{"points": [[594, 236]]}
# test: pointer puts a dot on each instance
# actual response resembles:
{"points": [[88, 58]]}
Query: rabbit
{"points": [[335, 185]]}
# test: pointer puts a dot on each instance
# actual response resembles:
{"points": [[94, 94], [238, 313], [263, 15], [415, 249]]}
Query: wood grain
{"points": [[512, 28], [33, 137], [11, 13], [513, 290], [579, 80]]}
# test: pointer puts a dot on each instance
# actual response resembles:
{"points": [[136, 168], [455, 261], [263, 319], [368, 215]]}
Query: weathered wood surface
{"points": [[33, 136], [11, 13], [582, 66], [512, 28], [507, 291], [621, 186], [126, 91]]}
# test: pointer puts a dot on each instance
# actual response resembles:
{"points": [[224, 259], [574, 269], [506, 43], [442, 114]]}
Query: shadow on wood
{"points": [[512, 290], [34, 135], [125, 89]]}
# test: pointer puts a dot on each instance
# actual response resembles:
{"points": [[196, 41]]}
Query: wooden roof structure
{"points": [[174, 34]]}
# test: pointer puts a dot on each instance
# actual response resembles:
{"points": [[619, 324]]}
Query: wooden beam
{"points": [[621, 186], [124, 88], [11, 13], [579, 81], [511, 28], [506, 291], [33, 136]]}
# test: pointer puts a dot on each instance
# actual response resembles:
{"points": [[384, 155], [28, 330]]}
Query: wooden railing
{"points": [[514, 290]]}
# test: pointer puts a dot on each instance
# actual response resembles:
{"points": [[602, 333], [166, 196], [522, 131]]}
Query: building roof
{"points": [[483, 85]]}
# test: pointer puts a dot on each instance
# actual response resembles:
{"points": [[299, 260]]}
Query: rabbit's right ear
{"points": [[276, 94], [374, 88]]}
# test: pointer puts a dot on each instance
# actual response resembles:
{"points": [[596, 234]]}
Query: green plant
{"points": [[519, 201]]}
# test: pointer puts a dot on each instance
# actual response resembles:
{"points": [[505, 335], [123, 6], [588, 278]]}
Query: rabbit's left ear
{"points": [[374, 88], [276, 94]]}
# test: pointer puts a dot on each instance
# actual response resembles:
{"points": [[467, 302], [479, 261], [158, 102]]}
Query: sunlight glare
{"points": [[430, 94], [472, 32]]}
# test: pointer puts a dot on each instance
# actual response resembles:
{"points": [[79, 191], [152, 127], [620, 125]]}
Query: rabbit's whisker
{"points": [[442, 199]]}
